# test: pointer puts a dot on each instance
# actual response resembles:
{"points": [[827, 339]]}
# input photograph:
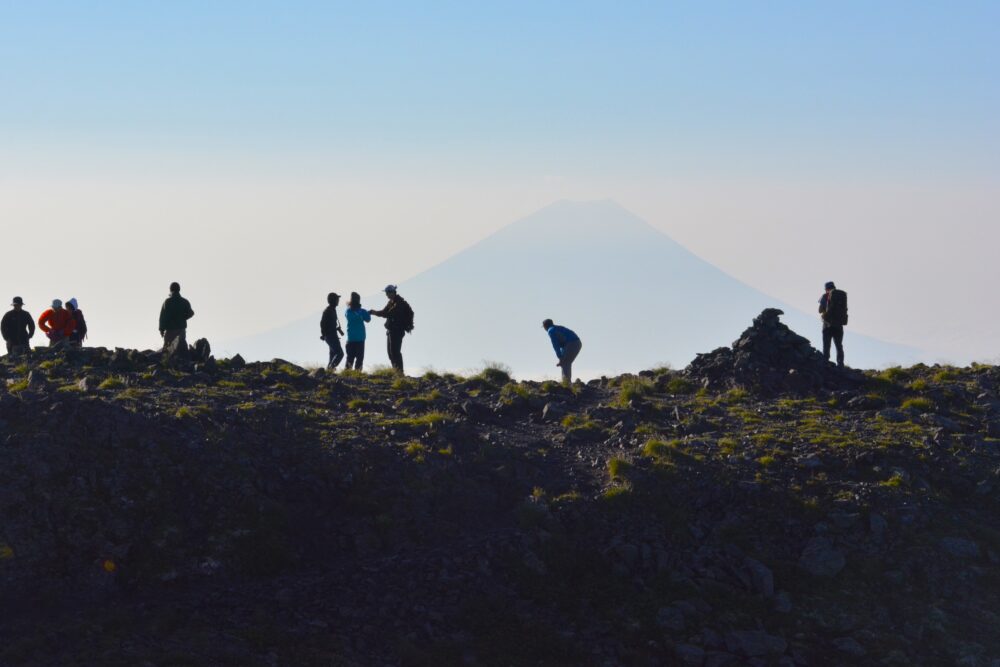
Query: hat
{"points": [[56, 303], [390, 289], [72, 302], [331, 297], [18, 301], [830, 285]]}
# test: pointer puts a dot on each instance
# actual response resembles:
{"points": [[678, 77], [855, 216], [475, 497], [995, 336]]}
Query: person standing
{"points": [[833, 309], [356, 317], [17, 328], [398, 322], [174, 316], [80, 323], [567, 346], [330, 331], [56, 323]]}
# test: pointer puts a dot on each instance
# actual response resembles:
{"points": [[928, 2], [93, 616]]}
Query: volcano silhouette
{"points": [[636, 297]]}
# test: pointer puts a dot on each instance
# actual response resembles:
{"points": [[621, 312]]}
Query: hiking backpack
{"points": [[836, 310], [406, 317]]}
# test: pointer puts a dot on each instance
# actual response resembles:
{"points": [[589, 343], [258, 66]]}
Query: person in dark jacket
{"points": [[17, 328], [567, 346], [398, 322], [330, 331], [356, 317], [80, 327], [174, 315], [832, 331]]}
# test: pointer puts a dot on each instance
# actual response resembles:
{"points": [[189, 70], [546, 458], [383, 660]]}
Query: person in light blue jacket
{"points": [[567, 346], [356, 317]]}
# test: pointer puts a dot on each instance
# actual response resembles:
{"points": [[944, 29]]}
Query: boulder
{"points": [[821, 559]]}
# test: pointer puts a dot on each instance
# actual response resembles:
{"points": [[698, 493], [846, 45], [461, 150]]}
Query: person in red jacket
{"points": [[57, 323]]}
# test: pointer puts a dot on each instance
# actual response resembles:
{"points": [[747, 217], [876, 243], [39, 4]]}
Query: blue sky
{"points": [[728, 125], [390, 77]]}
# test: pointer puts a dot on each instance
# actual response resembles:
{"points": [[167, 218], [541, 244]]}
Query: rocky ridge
{"points": [[214, 512]]}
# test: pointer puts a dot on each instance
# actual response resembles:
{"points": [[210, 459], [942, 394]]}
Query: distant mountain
{"points": [[636, 297]]}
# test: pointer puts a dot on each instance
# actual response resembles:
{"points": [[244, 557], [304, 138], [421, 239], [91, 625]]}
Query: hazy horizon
{"points": [[264, 156]]}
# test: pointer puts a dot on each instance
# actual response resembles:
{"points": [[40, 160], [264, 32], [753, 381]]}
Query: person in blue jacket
{"points": [[356, 317], [567, 346]]}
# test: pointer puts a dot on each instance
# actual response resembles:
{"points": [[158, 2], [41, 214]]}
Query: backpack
{"points": [[406, 317], [836, 310]]}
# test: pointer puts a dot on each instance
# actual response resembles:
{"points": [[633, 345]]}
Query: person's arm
{"points": [[555, 344], [380, 313], [5, 327], [43, 320], [365, 315], [822, 305], [82, 325], [163, 318], [190, 313]]}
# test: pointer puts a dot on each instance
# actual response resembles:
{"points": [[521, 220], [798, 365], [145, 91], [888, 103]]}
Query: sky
{"points": [[265, 153]]}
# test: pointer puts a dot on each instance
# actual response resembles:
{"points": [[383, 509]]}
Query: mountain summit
{"points": [[636, 297]]}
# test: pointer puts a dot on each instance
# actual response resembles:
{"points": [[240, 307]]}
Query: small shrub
{"points": [[680, 385], [417, 450], [946, 375], [358, 404], [494, 373], [658, 449], [735, 395], [893, 482], [767, 460], [191, 411], [617, 494], [111, 382], [633, 387], [727, 445], [918, 404], [513, 390], [231, 384], [919, 384], [403, 383], [894, 374], [618, 468]]}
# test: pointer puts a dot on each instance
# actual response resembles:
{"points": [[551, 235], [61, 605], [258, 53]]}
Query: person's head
{"points": [[547, 324], [18, 303], [175, 288], [333, 298], [56, 304], [390, 291], [71, 304], [829, 287], [355, 301]]}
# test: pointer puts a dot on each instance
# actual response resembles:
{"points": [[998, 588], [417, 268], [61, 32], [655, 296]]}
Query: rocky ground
{"points": [[759, 507]]}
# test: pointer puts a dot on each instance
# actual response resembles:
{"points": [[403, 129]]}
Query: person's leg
{"points": [[168, 338], [838, 339], [359, 356], [570, 353], [10, 348], [827, 337], [336, 353], [349, 353], [396, 350]]}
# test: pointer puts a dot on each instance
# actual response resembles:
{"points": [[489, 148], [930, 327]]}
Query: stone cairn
{"points": [[770, 359]]}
